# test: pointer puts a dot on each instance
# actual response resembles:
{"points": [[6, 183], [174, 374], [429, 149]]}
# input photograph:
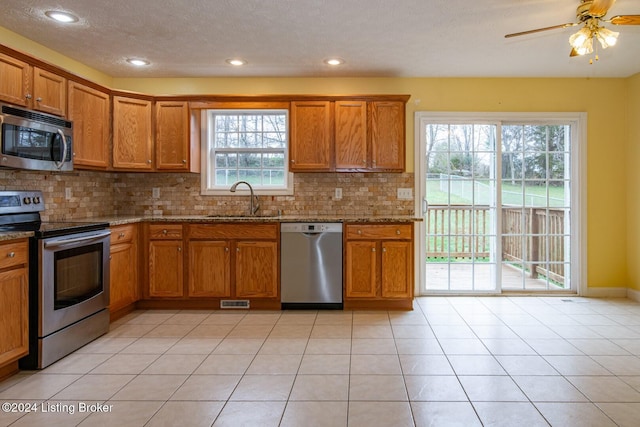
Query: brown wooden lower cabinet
{"points": [[166, 260], [123, 269], [233, 260], [378, 266], [14, 300]]}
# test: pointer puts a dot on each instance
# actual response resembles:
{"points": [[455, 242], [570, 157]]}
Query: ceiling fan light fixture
{"points": [[606, 37], [582, 40]]}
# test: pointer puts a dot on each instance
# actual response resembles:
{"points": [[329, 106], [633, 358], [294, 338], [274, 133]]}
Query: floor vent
{"points": [[234, 303]]}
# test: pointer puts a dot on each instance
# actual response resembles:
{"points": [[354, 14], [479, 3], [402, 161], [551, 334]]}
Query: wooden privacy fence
{"points": [[531, 237]]}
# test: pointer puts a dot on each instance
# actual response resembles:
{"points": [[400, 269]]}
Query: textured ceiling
{"points": [[385, 38]]}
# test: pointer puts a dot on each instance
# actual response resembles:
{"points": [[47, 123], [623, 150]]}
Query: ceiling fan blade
{"points": [[625, 20], [599, 8], [538, 30]]}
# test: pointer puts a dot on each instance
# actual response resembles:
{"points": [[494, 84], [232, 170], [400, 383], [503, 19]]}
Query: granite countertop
{"points": [[122, 220], [12, 235]]}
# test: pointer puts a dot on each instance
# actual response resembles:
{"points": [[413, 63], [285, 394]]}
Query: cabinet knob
{"points": [[359, 231], [39, 99], [364, 162], [398, 232], [165, 231], [293, 161], [384, 249], [226, 249], [11, 255], [373, 249], [179, 249], [184, 161], [149, 161], [237, 249], [110, 257], [120, 236], [28, 96]]}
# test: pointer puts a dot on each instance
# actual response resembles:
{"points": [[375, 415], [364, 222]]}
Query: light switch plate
{"points": [[405, 193], [67, 193], [338, 194], [155, 193]]}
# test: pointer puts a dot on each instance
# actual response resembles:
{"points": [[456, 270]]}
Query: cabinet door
{"points": [[14, 316], [49, 92], [310, 144], [165, 268], [396, 270], [256, 269], [387, 135], [123, 271], [15, 76], [132, 134], [361, 266], [172, 136], [209, 269], [89, 112], [351, 134]]}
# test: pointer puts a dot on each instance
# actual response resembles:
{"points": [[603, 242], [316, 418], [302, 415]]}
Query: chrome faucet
{"points": [[253, 207]]}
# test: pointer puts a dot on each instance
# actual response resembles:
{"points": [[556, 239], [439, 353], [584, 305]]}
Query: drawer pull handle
{"points": [[11, 255], [359, 231], [398, 232], [120, 236], [165, 231]]}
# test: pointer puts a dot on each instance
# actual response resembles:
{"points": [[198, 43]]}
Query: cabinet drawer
{"points": [[122, 234], [165, 231], [382, 231], [14, 253], [266, 231]]}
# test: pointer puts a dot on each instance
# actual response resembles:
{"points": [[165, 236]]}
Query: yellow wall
{"points": [[605, 101], [17, 42], [633, 190]]}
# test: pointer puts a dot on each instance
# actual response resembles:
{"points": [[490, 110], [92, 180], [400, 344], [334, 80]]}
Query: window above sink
{"points": [[246, 145]]}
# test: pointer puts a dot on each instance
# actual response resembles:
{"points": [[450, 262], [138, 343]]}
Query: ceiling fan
{"points": [[590, 14]]}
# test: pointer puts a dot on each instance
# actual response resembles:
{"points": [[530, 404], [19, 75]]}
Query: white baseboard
{"points": [[602, 292], [633, 294]]}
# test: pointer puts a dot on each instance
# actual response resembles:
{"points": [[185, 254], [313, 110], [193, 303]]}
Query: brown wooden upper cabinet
{"points": [[132, 142], [89, 111], [347, 136], [310, 144], [32, 87], [172, 136]]}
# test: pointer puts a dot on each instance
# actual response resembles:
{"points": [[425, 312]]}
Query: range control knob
{"points": [[36, 200], [27, 200]]}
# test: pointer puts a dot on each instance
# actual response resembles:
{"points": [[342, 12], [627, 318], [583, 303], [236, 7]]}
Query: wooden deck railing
{"points": [[530, 239]]}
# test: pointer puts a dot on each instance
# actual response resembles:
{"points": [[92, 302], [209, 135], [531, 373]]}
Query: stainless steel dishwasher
{"points": [[311, 265]]}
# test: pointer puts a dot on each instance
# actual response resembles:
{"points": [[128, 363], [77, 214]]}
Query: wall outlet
{"points": [[405, 193], [155, 193], [67, 193], [338, 194]]}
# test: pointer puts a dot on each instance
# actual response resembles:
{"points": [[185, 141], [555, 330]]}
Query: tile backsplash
{"points": [[95, 194]]}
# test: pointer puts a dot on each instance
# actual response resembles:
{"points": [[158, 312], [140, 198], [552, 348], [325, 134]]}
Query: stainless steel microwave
{"points": [[34, 140]]}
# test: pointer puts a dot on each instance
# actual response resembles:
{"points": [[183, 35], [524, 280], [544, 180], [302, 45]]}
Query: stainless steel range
{"points": [[68, 278]]}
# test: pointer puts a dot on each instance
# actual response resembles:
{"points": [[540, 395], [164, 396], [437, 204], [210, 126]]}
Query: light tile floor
{"points": [[468, 361]]}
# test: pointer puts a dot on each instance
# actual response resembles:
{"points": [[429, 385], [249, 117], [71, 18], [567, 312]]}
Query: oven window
{"points": [[78, 275]]}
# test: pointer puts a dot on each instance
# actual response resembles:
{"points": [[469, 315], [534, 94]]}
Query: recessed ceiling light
{"points": [[61, 16], [334, 61], [137, 62], [236, 62]]}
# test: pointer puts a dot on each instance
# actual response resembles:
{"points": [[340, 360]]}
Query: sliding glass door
{"points": [[499, 199]]}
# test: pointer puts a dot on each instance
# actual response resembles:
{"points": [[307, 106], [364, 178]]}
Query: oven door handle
{"points": [[85, 239]]}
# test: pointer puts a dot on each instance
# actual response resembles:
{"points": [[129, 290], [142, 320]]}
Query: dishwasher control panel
{"points": [[308, 227]]}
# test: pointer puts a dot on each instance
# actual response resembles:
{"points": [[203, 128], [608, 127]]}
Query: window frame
{"points": [[208, 152]]}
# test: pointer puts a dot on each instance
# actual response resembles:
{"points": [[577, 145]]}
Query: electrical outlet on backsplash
{"points": [[97, 194]]}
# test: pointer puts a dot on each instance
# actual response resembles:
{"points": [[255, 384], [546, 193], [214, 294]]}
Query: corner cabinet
{"points": [[124, 287], [89, 110], [14, 300], [132, 139], [379, 266]]}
